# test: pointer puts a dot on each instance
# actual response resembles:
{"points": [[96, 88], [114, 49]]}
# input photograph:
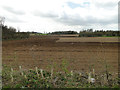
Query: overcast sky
{"points": [[56, 15]]}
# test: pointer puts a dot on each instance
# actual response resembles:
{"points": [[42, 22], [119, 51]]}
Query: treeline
{"points": [[64, 32], [98, 33], [11, 33]]}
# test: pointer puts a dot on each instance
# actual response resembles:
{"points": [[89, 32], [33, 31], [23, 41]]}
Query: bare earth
{"points": [[79, 53]]}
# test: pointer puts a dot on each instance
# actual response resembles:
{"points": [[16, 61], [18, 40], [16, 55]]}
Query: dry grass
{"points": [[88, 39]]}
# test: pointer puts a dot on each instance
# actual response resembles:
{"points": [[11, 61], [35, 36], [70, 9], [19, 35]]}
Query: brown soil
{"points": [[44, 51]]}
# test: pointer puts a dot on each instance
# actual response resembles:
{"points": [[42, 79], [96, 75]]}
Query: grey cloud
{"points": [[12, 10], [89, 20], [108, 5], [49, 14], [14, 20], [76, 19]]}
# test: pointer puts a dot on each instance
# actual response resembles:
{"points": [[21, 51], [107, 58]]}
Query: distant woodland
{"points": [[98, 33], [64, 32], [9, 33], [91, 33]]}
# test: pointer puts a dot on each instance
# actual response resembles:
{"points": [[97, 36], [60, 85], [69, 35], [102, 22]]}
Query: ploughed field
{"points": [[77, 53]]}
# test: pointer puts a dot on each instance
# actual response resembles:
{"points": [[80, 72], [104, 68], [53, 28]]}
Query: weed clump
{"points": [[39, 78]]}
